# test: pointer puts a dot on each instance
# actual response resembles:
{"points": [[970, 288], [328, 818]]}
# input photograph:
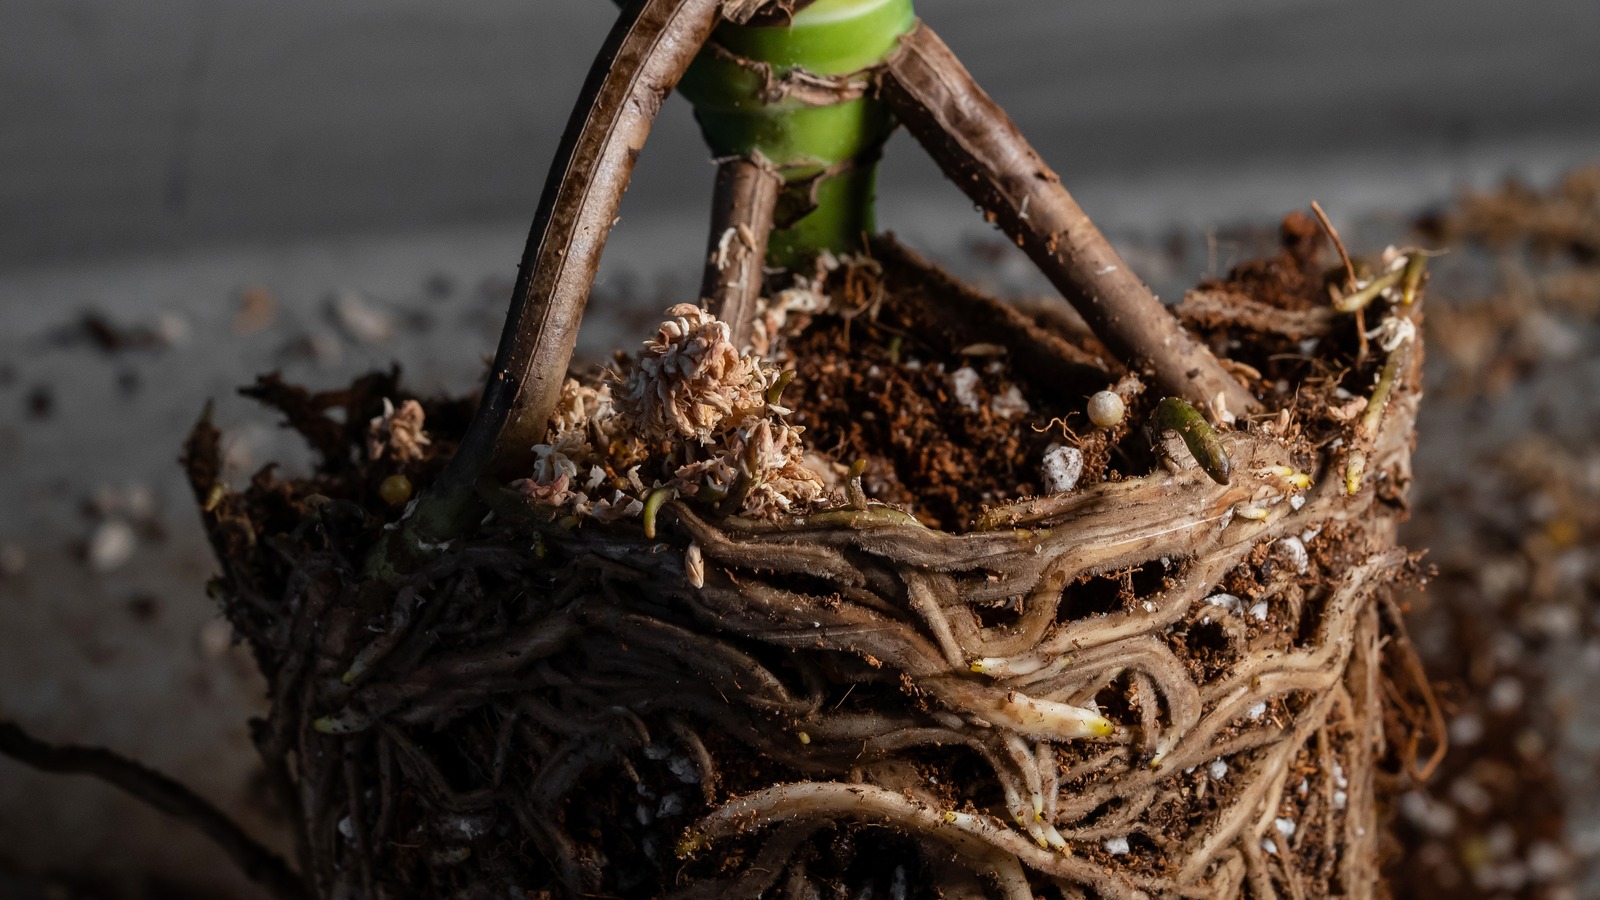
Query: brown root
{"points": [[1155, 682], [160, 792]]}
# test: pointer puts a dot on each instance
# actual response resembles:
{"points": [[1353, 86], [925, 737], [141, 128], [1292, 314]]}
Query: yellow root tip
{"points": [[690, 844], [1257, 513], [1353, 472], [214, 497]]}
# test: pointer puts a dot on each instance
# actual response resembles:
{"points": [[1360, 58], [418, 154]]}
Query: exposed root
{"points": [[257, 862], [1109, 692]]}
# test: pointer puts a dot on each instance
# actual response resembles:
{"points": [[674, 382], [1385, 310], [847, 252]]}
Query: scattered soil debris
{"points": [[1508, 625], [257, 310]]}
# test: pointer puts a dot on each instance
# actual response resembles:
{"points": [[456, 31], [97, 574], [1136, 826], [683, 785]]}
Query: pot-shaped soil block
{"points": [[692, 652], [852, 579]]}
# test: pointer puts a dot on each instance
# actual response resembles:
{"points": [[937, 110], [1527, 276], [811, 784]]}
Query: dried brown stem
{"points": [[741, 220], [983, 152], [257, 862], [642, 60], [762, 11], [1338, 244]]}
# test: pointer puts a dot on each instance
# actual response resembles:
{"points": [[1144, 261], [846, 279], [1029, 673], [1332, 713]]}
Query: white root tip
{"points": [[1049, 719]]}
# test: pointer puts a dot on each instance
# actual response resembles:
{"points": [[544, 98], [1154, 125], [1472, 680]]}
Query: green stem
{"points": [[796, 95]]}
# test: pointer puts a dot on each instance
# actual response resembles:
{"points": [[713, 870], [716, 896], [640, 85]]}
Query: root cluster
{"points": [[1072, 700]]}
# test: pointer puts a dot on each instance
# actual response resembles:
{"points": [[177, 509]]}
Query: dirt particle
{"points": [[41, 402], [214, 639], [111, 546], [13, 560], [438, 286], [144, 607], [363, 322], [99, 331], [128, 383], [256, 310]]}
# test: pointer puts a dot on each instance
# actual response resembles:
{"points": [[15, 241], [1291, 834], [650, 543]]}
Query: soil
{"points": [[877, 381]]}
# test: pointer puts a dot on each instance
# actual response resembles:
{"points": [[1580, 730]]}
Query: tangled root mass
{"points": [[703, 659]]}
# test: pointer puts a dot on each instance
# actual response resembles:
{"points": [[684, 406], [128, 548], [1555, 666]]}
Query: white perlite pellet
{"points": [[113, 543], [964, 383], [1061, 468], [1294, 550], [1009, 404], [1228, 602], [1106, 409]]}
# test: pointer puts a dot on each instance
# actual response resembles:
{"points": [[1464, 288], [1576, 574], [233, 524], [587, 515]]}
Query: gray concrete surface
{"points": [[158, 159]]}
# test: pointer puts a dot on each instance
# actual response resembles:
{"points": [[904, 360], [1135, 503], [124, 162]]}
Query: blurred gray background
{"points": [[226, 187], [151, 127]]}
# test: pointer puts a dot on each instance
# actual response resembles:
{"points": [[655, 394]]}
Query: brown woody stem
{"points": [[257, 862], [646, 53], [982, 151], [741, 220]]}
